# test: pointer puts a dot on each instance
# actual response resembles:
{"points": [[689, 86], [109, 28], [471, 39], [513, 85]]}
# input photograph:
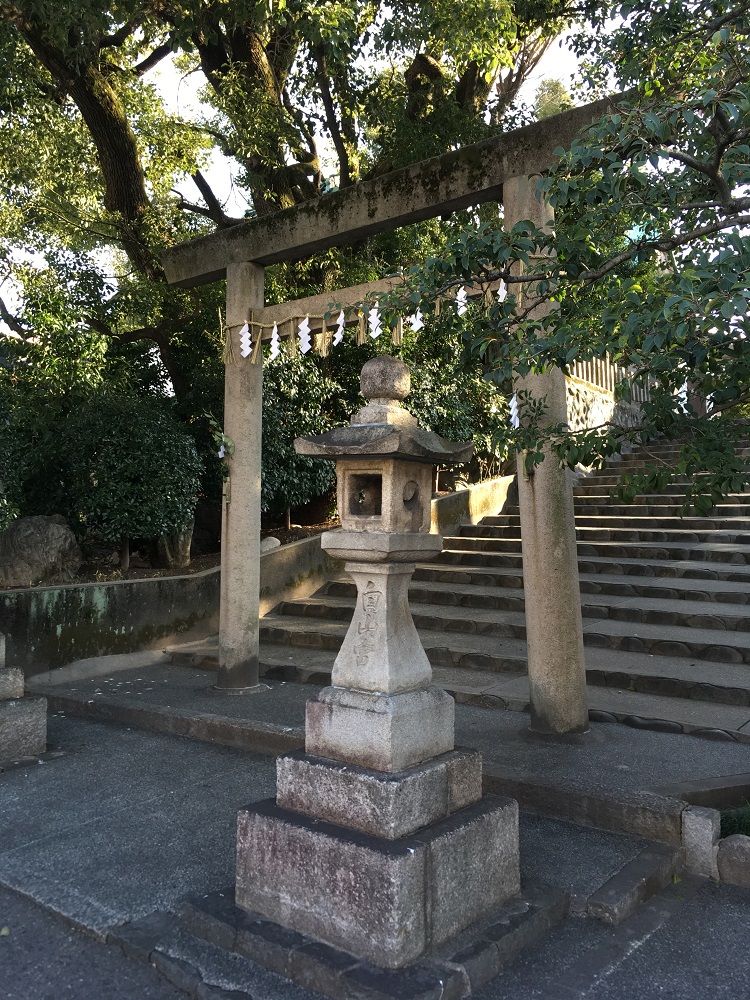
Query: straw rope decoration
{"points": [[227, 353], [297, 333]]}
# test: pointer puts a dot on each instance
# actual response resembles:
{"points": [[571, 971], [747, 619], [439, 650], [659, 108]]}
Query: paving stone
{"points": [[636, 882], [657, 725], [23, 727], [720, 735], [139, 938], [206, 991], [179, 972]]}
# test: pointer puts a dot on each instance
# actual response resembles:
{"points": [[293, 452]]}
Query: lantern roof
{"points": [[384, 428]]}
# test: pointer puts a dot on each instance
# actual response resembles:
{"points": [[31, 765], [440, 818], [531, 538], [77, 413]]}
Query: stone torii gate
{"points": [[499, 169]]}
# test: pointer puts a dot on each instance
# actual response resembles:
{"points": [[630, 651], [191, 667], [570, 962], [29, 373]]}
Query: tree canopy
{"points": [[648, 262]]}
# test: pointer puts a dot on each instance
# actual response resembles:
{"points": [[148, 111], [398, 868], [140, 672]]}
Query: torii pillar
{"points": [[554, 629], [240, 519]]}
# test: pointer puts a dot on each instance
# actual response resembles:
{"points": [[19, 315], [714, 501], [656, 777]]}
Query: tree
{"points": [[128, 471], [662, 183], [83, 222], [551, 99]]}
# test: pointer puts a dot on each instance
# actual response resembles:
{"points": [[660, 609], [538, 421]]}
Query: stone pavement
{"points": [[153, 694], [121, 823], [43, 958]]}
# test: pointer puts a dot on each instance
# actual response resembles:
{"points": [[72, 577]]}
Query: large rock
{"points": [[38, 549], [734, 860]]}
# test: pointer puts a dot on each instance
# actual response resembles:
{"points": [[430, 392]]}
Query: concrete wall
{"points": [[47, 627], [589, 406], [294, 570]]}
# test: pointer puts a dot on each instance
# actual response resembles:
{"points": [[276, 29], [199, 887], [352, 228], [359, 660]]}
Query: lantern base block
{"points": [[383, 901], [378, 803], [379, 731]]}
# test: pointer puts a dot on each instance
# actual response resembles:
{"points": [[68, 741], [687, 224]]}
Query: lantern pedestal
{"points": [[386, 900]]}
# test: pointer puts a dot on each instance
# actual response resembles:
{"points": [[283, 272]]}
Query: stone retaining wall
{"points": [[590, 405], [48, 627], [469, 506]]}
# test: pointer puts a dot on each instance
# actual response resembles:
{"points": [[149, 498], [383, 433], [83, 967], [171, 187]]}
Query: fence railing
{"points": [[600, 372]]}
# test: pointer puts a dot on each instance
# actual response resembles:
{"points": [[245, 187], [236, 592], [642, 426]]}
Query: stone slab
{"points": [[424, 190], [388, 902], [11, 683], [381, 804], [640, 813], [23, 727], [383, 732], [459, 967], [701, 829], [92, 835], [636, 882]]}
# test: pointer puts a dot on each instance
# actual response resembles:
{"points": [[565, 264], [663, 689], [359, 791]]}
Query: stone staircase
{"points": [[665, 602]]}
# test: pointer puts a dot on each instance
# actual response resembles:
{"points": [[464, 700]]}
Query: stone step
{"points": [[670, 490], [671, 588], [609, 479], [726, 553], [732, 553], [622, 673], [615, 680], [675, 567], [317, 615], [617, 532], [489, 525], [654, 610], [644, 506], [650, 453]]}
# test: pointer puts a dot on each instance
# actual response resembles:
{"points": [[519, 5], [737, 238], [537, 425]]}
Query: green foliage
{"points": [[85, 216], [551, 99], [735, 821], [295, 399], [128, 468]]}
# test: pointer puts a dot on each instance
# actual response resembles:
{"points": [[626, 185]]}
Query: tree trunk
{"points": [[125, 555], [174, 549]]}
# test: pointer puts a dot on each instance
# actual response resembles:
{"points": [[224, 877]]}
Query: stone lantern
{"points": [[379, 842], [381, 677]]}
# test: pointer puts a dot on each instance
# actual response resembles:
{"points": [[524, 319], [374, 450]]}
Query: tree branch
{"points": [[345, 177], [120, 36], [15, 324], [153, 59], [215, 211]]}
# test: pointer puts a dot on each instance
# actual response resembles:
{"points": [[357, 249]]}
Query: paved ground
{"points": [[43, 958], [103, 684], [617, 756], [125, 822]]}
